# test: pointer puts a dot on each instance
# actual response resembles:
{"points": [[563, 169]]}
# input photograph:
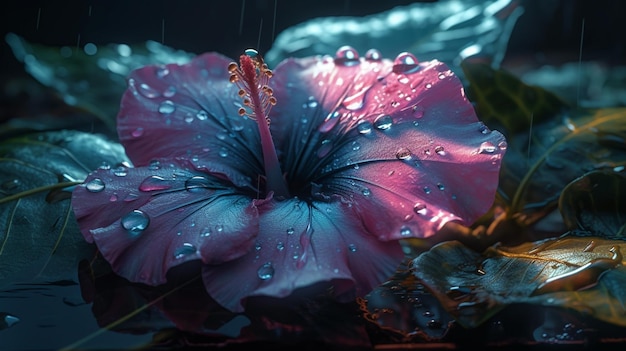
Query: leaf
{"points": [[595, 203], [92, 81], [40, 240], [443, 30], [583, 274]]}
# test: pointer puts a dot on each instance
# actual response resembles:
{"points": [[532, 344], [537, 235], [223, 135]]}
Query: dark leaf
{"points": [[596, 203], [583, 274], [40, 240], [93, 78]]}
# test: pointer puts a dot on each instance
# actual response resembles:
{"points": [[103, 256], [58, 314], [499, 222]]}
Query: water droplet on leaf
{"points": [[383, 122]]}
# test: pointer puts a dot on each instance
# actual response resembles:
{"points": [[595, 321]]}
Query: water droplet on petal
{"points": [[487, 147], [266, 271], [428, 85], [439, 150], [483, 129], [502, 145], [405, 231], [329, 122], [219, 228], [95, 185], [356, 146], [441, 186], [280, 246], [290, 231], [186, 249], [154, 165], [170, 91], [154, 183], [137, 132], [167, 107], [135, 222], [404, 154], [347, 56], [373, 55], [418, 111], [419, 208], [223, 152], [197, 183], [405, 63], [120, 171], [162, 72], [366, 192], [427, 190], [383, 122], [352, 248], [148, 91], [202, 115], [364, 127]]}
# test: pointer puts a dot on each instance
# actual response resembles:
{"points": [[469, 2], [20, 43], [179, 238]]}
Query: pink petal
{"points": [[189, 111], [398, 139], [146, 220], [300, 245]]}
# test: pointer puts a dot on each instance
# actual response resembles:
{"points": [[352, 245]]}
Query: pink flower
{"points": [[363, 152]]}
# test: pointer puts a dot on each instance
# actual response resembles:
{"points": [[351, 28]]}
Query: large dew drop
{"points": [[266, 271], [167, 107], [95, 185], [185, 250], [154, 183], [135, 222], [347, 56], [197, 183]]}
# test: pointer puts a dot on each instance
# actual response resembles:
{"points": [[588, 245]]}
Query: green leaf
{"points": [[40, 240], [583, 274], [94, 82], [596, 203]]}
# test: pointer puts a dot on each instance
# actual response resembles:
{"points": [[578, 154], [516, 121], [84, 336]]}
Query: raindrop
{"points": [[441, 75], [170, 91], [487, 147], [364, 127], [366, 192], [439, 150], [135, 222], [402, 79], [403, 154], [162, 72], [137, 132], [502, 145], [167, 107], [483, 129], [356, 146], [95, 185], [347, 56], [420, 209], [418, 112], [8, 320], [223, 152], [202, 115], [290, 231], [120, 171], [113, 198], [329, 122], [428, 85], [219, 228], [154, 183], [154, 165], [266, 271], [405, 63], [440, 186], [280, 246], [327, 145], [148, 91], [206, 232], [186, 249], [352, 248], [383, 122], [197, 183], [405, 231], [373, 55], [427, 190]]}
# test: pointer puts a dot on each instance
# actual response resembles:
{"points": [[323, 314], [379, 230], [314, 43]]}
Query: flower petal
{"points": [[146, 220], [399, 139], [302, 244], [189, 111]]}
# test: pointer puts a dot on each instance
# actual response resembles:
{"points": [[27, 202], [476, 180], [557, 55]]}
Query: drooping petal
{"points": [[398, 139], [189, 111], [146, 220], [299, 245]]}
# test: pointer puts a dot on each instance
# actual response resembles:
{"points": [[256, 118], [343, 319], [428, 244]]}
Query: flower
{"points": [[355, 155]]}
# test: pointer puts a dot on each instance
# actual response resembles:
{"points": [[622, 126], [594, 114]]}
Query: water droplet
{"points": [[8, 320], [202, 115], [135, 222], [405, 63], [418, 112], [280, 246], [257, 247], [197, 183], [167, 107], [95, 185], [219, 228], [148, 91], [427, 190], [502, 145], [325, 148], [402, 79], [441, 186], [113, 198], [487, 147], [137, 132], [162, 71], [266, 271], [364, 127], [439, 150], [404, 154], [420, 209], [352, 248], [154, 183], [170, 91], [483, 129], [405, 231], [373, 55], [186, 249], [428, 85], [329, 122], [120, 171], [366, 192], [441, 75], [223, 152], [290, 231], [154, 165], [383, 122], [347, 56], [356, 146]]}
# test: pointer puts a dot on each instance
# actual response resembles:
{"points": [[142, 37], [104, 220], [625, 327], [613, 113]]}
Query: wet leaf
{"points": [[40, 240], [583, 274], [92, 78], [595, 203], [445, 30]]}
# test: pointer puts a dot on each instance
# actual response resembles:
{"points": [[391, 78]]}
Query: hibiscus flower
{"points": [[307, 175]]}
